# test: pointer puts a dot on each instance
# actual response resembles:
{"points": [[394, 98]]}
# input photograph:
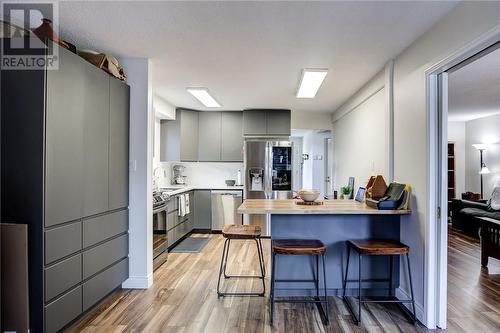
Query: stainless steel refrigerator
{"points": [[268, 172]]}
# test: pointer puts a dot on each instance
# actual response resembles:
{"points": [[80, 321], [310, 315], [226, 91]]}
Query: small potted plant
{"points": [[346, 192]]}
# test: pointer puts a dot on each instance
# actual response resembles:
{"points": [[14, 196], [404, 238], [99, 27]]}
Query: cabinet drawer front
{"points": [[172, 220], [103, 283], [63, 310], [62, 241], [100, 228], [172, 204], [62, 276], [101, 256]]}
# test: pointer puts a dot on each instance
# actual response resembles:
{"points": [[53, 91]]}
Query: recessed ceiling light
{"points": [[202, 95], [310, 82]]}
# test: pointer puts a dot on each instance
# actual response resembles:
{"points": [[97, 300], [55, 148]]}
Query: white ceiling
{"points": [[250, 54], [474, 90]]}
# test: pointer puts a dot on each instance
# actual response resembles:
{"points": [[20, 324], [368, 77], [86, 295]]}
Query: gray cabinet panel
{"points": [[188, 135], [118, 144], [99, 257], [64, 141], [209, 140], [254, 122], [102, 227], [170, 145], [62, 276], [103, 283], [278, 122], [202, 207], [63, 310], [96, 141], [172, 220], [232, 136], [172, 204], [62, 241]]}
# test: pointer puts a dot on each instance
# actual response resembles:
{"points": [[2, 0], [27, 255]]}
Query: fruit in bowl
{"points": [[308, 195]]}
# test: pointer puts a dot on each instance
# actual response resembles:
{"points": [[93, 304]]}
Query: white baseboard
{"points": [[138, 282], [419, 309]]}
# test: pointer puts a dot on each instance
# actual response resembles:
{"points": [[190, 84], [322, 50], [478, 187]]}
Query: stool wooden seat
{"points": [[307, 247], [236, 232], [376, 247], [311, 247], [240, 231], [379, 247]]}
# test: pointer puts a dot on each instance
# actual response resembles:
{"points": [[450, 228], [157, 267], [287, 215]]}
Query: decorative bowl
{"points": [[308, 195], [230, 182]]}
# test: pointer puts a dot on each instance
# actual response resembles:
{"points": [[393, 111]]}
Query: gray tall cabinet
{"points": [[64, 142]]}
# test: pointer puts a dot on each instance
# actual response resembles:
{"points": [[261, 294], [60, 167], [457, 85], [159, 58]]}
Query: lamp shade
{"points": [[484, 170], [480, 146]]}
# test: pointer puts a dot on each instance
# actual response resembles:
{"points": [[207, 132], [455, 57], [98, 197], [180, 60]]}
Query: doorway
{"points": [[441, 177]]}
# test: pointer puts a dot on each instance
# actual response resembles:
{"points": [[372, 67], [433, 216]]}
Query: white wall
{"points": [[163, 109], [483, 130], [359, 142], [310, 120], [466, 22], [200, 174], [140, 200], [456, 134]]}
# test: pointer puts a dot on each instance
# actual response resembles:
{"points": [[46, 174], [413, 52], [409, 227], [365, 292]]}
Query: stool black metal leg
{"points": [[261, 266], [262, 254], [273, 264], [316, 281], [222, 264], [327, 321], [359, 289], [225, 261], [346, 271], [411, 289], [391, 263]]}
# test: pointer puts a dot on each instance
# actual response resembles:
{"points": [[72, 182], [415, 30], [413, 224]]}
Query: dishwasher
{"points": [[224, 206]]}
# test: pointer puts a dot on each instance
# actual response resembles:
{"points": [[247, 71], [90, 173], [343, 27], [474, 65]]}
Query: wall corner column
{"points": [[139, 77]]}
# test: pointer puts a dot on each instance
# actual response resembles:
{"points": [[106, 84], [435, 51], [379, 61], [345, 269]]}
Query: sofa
{"points": [[464, 213]]}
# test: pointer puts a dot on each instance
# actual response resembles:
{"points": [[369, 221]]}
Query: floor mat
{"points": [[191, 245]]}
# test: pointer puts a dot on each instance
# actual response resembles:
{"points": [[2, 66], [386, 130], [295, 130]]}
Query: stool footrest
{"points": [[369, 280], [244, 276], [285, 280], [300, 301], [221, 294]]}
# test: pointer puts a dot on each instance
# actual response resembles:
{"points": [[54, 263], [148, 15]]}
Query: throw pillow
{"points": [[495, 199]]}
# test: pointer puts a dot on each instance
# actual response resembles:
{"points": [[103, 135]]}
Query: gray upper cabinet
{"points": [[189, 135], [278, 122], [96, 141], [209, 140], [273, 122], [232, 136], [118, 143], [179, 137], [64, 161], [209, 136], [254, 122]]}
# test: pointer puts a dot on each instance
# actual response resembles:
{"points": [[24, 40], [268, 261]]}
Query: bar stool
{"points": [[377, 248], [309, 247], [241, 232]]}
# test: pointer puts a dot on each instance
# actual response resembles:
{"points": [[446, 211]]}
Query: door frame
{"points": [[436, 236]]}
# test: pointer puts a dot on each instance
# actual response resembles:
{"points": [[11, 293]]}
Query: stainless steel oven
{"points": [[160, 239]]}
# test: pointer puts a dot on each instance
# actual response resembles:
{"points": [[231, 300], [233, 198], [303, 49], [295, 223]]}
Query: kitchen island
{"points": [[333, 223]]}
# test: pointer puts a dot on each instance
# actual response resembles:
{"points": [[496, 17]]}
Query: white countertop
{"points": [[186, 188]]}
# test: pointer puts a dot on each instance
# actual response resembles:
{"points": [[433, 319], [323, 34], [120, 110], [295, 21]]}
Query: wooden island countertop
{"points": [[335, 207]]}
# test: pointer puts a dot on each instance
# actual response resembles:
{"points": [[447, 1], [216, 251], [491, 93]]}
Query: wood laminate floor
{"points": [[183, 299]]}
